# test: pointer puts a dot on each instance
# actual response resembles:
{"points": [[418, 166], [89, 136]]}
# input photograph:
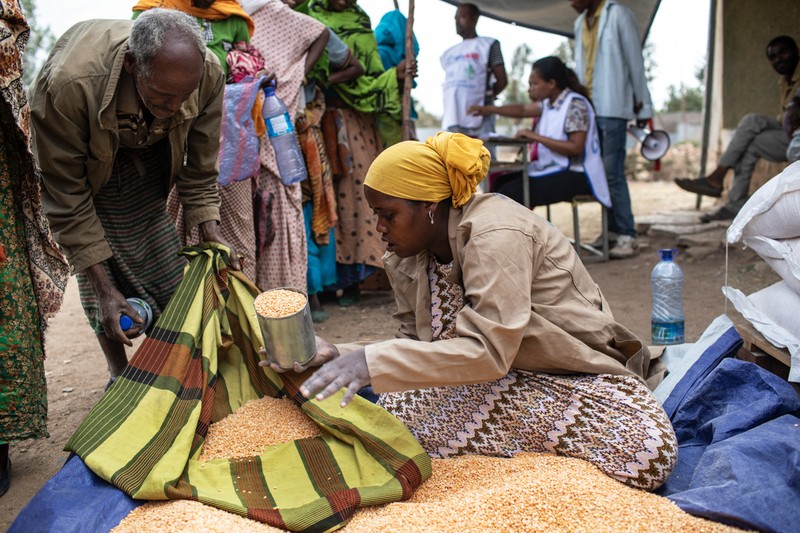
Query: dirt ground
{"points": [[76, 370]]}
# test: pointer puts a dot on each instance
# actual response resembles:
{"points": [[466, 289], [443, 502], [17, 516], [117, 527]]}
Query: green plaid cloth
{"points": [[199, 365]]}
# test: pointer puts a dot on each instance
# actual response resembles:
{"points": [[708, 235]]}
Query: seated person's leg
{"points": [[754, 131], [770, 144], [544, 190]]}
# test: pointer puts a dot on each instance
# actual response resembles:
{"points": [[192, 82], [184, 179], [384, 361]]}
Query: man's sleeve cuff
{"points": [[195, 217], [88, 256]]}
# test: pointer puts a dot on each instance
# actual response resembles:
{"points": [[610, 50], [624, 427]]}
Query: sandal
{"points": [[111, 381], [699, 186], [318, 316], [348, 299]]}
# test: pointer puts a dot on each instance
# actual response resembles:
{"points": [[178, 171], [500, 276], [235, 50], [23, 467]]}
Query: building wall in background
{"points": [[749, 85]]}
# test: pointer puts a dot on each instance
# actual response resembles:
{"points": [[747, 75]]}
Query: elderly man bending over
{"points": [[121, 112]]}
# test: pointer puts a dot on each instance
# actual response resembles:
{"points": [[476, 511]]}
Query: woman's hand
{"points": [[572, 147], [349, 371], [477, 110], [325, 352], [407, 69]]}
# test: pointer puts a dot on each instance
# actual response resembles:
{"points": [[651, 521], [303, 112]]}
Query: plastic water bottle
{"points": [[291, 165], [667, 318], [144, 311]]}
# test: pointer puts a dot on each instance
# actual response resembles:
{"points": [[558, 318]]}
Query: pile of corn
{"points": [[277, 303], [531, 492]]}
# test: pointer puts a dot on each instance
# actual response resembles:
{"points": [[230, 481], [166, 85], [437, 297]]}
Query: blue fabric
{"points": [[391, 36], [74, 500], [321, 274], [349, 275], [368, 394], [726, 345], [613, 135], [739, 442]]}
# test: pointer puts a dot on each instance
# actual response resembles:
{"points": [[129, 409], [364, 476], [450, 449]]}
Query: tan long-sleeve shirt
{"points": [[529, 303]]}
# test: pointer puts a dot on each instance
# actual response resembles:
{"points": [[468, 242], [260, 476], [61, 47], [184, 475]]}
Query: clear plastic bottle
{"points": [[291, 165], [667, 318], [144, 311]]}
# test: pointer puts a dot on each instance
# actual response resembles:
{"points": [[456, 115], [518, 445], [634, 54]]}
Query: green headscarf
{"points": [[376, 91]]}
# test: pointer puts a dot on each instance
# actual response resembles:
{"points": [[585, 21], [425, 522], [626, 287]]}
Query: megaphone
{"points": [[654, 143]]}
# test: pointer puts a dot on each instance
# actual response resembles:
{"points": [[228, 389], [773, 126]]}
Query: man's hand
{"points": [[268, 77], [349, 371], [791, 118], [209, 231], [112, 305], [325, 352], [640, 122]]}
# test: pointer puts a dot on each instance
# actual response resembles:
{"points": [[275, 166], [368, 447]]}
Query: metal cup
{"points": [[289, 339]]}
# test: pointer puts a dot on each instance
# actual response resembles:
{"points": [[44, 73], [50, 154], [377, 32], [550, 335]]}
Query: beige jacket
{"points": [[75, 140], [529, 304]]}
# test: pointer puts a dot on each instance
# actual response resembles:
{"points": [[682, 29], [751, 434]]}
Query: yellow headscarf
{"points": [[448, 165]]}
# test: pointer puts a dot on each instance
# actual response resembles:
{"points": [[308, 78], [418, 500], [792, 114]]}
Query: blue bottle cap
{"points": [[269, 88], [667, 254], [125, 322]]}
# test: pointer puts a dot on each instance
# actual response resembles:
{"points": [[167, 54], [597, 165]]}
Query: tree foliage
{"points": [[517, 90], [685, 98], [426, 119], [40, 43], [564, 53]]}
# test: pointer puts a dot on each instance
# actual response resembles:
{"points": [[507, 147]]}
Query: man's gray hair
{"points": [[152, 28]]}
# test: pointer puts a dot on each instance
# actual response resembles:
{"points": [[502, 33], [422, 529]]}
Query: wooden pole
{"points": [[407, 129], [396, 6]]}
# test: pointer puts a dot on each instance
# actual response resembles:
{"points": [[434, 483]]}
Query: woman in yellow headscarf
{"points": [[505, 344]]}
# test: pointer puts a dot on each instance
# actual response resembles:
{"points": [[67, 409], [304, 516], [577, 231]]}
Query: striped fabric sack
{"points": [[199, 365], [238, 141]]}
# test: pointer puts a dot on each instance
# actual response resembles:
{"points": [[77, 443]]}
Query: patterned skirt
{"points": [[352, 142], [144, 241], [23, 389], [614, 422]]}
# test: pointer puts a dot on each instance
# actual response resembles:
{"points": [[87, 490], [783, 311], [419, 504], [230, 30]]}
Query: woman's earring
{"points": [[430, 214]]}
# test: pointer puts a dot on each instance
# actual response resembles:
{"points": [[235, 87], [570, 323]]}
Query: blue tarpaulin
{"points": [[739, 442], [74, 500]]}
